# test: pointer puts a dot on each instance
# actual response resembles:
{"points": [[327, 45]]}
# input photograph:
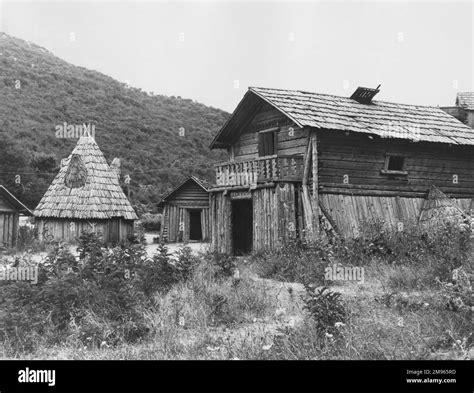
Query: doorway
{"points": [[195, 231], [242, 226]]}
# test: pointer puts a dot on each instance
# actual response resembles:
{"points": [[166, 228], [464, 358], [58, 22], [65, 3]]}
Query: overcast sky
{"points": [[421, 53]]}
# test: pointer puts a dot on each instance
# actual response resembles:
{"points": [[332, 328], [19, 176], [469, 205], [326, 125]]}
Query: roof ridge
{"points": [[344, 97]]}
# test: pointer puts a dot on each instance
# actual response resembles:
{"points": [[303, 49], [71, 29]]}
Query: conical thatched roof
{"points": [[85, 188], [438, 208]]}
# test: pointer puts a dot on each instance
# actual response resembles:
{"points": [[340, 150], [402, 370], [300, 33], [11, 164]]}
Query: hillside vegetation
{"points": [[39, 91]]}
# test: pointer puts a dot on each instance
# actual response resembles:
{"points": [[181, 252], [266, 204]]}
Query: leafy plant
{"points": [[325, 307]]}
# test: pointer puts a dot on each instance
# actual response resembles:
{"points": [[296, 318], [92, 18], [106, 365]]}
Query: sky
{"points": [[420, 52]]}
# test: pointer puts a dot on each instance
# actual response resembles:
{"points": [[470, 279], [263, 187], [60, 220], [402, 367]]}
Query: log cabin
{"points": [[186, 212], [300, 161], [85, 196], [10, 210]]}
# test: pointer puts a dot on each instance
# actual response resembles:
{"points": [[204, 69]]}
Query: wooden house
{"points": [[85, 196], [300, 161], [10, 210], [186, 212], [463, 109]]}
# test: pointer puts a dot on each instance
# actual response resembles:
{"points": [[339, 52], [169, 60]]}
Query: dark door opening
{"points": [[242, 226], [195, 231]]}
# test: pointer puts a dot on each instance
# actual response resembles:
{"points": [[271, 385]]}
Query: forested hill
{"points": [[160, 140]]}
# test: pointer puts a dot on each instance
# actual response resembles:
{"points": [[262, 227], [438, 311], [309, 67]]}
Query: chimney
{"points": [[364, 95]]}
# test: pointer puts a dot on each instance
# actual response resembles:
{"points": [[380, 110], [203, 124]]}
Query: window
{"points": [[394, 164], [267, 143]]}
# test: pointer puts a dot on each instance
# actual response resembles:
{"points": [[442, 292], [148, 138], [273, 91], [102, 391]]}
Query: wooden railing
{"points": [[259, 170]]}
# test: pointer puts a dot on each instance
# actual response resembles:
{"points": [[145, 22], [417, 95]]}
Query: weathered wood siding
{"points": [[450, 168], [176, 223], [275, 217], [114, 230], [350, 212], [189, 194], [351, 186], [221, 221], [9, 221], [8, 228], [289, 142]]}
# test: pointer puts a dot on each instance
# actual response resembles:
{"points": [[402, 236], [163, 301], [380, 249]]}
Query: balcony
{"points": [[260, 170]]}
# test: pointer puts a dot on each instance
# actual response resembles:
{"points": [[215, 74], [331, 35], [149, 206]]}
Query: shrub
{"points": [[296, 261], [326, 308], [97, 297], [225, 265], [151, 222]]}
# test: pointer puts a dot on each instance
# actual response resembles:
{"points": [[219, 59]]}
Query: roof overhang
{"points": [[247, 108], [15, 202], [194, 179]]}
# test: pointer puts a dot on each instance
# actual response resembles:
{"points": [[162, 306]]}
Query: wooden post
{"points": [[307, 208], [315, 199]]}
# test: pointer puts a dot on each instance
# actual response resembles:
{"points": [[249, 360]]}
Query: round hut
{"points": [[85, 196]]}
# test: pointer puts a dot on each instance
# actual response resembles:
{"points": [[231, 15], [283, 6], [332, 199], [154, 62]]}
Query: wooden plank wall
{"points": [[265, 218], [189, 194], [220, 217], [350, 212], [275, 218], [176, 220], [8, 228], [289, 142], [205, 224], [362, 159], [61, 229]]}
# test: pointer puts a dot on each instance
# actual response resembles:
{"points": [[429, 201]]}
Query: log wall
{"points": [[176, 223], [8, 228], [275, 217], [350, 212], [114, 230], [450, 168]]}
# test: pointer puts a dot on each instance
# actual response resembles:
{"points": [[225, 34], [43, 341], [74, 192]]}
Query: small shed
{"points": [[85, 196], [186, 212], [10, 210]]}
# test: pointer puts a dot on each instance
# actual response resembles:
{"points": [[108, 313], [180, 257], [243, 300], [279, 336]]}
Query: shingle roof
{"points": [[205, 185], [85, 188], [14, 201], [385, 119], [465, 100]]}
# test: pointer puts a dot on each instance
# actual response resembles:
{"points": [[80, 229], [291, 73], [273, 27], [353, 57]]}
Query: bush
{"points": [[447, 246], [101, 296], [296, 261], [151, 222], [326, 308], [225, 265]]}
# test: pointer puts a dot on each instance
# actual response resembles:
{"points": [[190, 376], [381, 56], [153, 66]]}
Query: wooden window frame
{"points": [[386, 171], [275, 141]]}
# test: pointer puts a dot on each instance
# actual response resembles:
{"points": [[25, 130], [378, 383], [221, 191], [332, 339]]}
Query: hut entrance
{"points": [[242, 225], [195, 232]]}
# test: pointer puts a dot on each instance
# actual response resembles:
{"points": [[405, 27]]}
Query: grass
{"points": [[407, 308]]}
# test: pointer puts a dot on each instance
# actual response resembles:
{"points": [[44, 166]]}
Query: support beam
{"points": [[315, 199], [307, 208]]}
